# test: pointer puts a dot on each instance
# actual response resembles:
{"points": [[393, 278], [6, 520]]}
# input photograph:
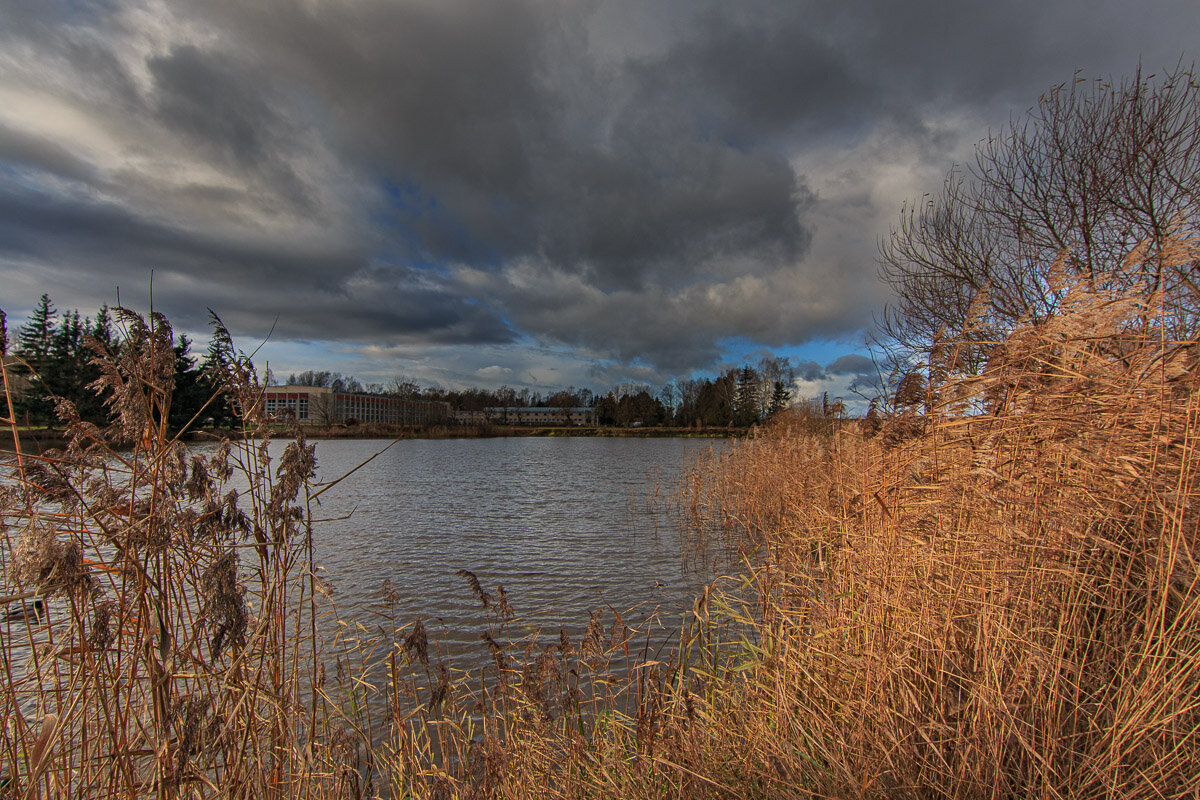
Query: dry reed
{"points": [[997, 597], [171, 651], [994, 596]]}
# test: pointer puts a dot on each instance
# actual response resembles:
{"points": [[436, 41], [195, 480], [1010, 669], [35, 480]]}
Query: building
{"points": [[529, 415], [319, 405], [293, 401]]}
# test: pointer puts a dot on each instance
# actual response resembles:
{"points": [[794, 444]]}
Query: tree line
{"points": [[739, 397], [53, 357]]}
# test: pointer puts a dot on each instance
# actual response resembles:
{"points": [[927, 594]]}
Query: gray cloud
{"points": [[29, 150], [313, 292], [203, 97], [809, 371], [629, 182], [852, 364]]}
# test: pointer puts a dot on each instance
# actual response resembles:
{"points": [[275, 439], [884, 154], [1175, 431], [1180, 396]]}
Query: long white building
{"points": [[320, 405]]}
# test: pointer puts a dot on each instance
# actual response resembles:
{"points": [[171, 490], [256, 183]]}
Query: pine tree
{"points": [[36, 337], [781, 397], [747, 396], [35, 341]]}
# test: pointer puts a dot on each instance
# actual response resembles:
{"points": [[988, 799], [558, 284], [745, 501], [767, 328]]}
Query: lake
{"points": [[567, 525]]}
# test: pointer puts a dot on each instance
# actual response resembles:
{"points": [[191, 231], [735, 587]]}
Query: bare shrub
{"points": [[1096, 173]]}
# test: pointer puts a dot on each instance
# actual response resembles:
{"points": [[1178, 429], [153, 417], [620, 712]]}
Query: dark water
{"points": [[566, 525], [569, 526]]}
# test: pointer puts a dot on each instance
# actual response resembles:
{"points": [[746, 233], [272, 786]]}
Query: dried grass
{"points": [[995, 595], [1001, 604], [169, 658]]}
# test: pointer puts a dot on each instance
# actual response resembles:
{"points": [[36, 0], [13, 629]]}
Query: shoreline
{"points": [[36, 441]]}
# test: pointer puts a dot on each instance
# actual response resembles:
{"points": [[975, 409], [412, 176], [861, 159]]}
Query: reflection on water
{"points": [[566, 525]]}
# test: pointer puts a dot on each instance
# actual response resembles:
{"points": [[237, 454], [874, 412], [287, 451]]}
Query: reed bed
{"points": [[159, 604], [996, 596], [166, 633]]}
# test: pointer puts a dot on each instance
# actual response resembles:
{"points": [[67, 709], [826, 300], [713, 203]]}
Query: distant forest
{"points": [[54, 354]]}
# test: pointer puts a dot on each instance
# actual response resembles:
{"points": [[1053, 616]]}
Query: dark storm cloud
{"points": [[204, 97], [752, 81], [640, 181], [852, 365], [448, 93], [670, 223], [119, 243], [249, 283], [509, 151], [207, 103]]}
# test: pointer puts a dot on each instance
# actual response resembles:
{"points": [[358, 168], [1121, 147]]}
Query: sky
{"points": [[533, 193]]}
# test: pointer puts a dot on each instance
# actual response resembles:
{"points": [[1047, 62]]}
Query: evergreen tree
{"points": [[102, 329], [746, 409], [192, 390], [715, 400], [36, 337], [781, 397], [92, 333], [213, 368], [35, 341], [63, 374]]}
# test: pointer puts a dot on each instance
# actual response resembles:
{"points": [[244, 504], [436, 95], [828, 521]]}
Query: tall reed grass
{"points": [[169, 653], [997, 596], [994, 596], [166, 634]]}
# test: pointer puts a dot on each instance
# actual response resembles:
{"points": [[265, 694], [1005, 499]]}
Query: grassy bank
{"points": [[994, 595]]}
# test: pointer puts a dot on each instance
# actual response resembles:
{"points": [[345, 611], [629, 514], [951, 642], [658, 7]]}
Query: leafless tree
{"points": [[322, 408], [1093, 172]]}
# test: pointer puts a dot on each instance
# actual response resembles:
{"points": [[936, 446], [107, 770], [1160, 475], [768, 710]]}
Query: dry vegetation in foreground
{"points": [[999, 604], [995, 596]]}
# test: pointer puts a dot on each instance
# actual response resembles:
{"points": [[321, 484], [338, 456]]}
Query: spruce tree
{"points": [[102, 329], [192, 390], [781, 397], [747, 396], [213, 367], [36, 337], [35, 342], [63, 373]]}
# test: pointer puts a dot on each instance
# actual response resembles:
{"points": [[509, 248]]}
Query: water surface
{"points": [[566, 525]]}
